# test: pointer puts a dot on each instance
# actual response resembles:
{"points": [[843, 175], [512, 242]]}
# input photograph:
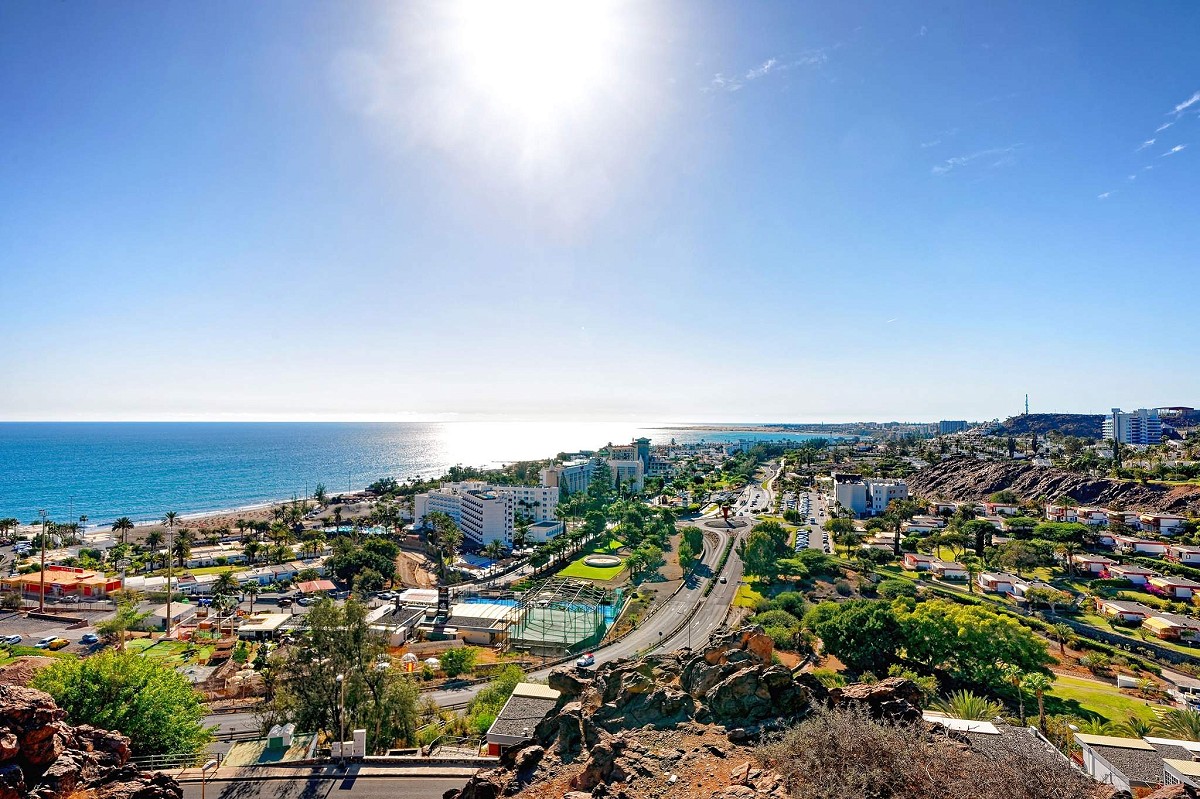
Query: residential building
{"points": [[1184, 554], [865, 496], [541, 532], [1173, 627], [487, 513], [1125, 611], [630, 474], [1091, 564], [1131, 764], [181, 612], [572, 477], [1162, 523], [1138, 575], [1140, 427], [62, 581], [1000, 583], [1061, 513], [1001, 509], [1141, 546], [950, 570], [945, 428], [1091, 515], [914, 561], [516, 721], [1173, 587]]}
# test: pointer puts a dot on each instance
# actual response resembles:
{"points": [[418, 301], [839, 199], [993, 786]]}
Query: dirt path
{"points": [[414, 571]]}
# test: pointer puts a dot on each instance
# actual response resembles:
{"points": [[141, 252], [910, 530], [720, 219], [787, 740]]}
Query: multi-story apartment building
{"points": [[1136, 427], [576, 476], [488, 513], [866, 496], [947, 427]]}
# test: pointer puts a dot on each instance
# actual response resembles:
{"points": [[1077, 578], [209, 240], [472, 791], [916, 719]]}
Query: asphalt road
{"points": [[320, 788]]}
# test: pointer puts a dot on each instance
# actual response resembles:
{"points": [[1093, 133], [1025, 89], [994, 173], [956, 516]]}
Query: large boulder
{"points": [[43, 757], [895, 698]]}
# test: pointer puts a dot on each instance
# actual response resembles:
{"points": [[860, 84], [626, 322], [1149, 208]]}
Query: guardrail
{"points": [[171, 762]]}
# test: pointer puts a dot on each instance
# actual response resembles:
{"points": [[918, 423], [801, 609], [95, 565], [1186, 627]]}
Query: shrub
{"points": [[840, 753], [791, 601], [894, 587], [776, 618], [843, 588]]}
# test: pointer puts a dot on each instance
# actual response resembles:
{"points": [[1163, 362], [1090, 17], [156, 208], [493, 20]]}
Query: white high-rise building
{"points": [[866, 496], [1138, 427], [488, 513]]}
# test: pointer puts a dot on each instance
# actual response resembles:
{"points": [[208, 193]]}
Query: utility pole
{"points": [[170, 573], [42, 573]]}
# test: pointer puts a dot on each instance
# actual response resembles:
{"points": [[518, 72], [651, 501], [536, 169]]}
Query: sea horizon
{"points": [[105, 470]]}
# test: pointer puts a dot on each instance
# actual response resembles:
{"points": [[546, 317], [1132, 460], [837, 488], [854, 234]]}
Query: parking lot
{"points": [[33, 630]]}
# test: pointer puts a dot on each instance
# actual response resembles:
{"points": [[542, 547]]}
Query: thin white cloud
{"points": [[951, 164], [1145, 144], [928, 144], [765, 69], [924, 31], [1105, 195], [1132, 177], [1195, 98], [772, 66], [1163, 127], [721, 83], [1177, 148]]}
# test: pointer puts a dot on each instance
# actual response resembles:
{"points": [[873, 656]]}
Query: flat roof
{"points": [[535, 690], [266, 621], [1188, 768], [1114, 741]]}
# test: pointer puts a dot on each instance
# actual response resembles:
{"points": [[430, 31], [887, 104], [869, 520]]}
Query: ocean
{"points": [[104, 470]]}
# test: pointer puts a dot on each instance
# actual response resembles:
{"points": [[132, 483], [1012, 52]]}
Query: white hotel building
{"points": [[487, 513], [1140, 427]]}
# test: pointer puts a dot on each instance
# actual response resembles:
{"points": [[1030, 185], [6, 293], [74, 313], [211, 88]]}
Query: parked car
{"points": [[11, 640], [89, 638], [70, 599], [285, 602], [45, 642], [587, 661], [58, 643]]}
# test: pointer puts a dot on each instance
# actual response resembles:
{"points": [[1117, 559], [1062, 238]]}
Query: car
{"points": [[71, 600], [722, 580], [58, 643], [304, 601], [586, 661], [11, 640], [45, 642], [89, 638], [285, 602]]}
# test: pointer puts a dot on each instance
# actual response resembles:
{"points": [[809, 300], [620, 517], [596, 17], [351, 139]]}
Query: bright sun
{"points": [[535, 59]]}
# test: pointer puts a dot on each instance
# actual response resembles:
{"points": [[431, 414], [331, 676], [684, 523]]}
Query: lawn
{"points": [[11, 653], [216, 569], [747, 597], [173, 653], [1099, 698], [577, 568]]}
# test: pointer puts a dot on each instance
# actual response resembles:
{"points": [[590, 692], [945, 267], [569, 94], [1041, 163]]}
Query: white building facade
{"points": [[1140, 427], [487, 513]]}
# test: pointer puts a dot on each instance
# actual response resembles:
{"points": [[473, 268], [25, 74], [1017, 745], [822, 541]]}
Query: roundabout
{"points": [[721, 524]]}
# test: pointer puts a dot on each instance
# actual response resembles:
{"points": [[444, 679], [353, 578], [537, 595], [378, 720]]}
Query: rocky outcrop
{"points": [[44, 757], [963, 478]]}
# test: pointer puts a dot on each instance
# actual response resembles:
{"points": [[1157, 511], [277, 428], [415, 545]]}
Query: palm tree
{"points": [[1062, 632], [252, 591], [182, 546], [1068, 549], [1132, 727], [154, 540], [1038, 683], [121, 527], [1015, 676], [1097, 726], [967, 705], [225, 583], [1179, 724], [251, 550], [169, 520]]}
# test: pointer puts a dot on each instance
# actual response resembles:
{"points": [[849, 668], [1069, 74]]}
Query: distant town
{"points": [[440, 621]]}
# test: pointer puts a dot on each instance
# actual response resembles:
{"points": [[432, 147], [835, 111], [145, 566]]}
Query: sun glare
{"points": [[535, 59]]}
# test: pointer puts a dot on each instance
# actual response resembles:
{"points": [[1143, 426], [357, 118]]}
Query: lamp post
{"points": [[341, 681], [207, 767], [42, 573]]}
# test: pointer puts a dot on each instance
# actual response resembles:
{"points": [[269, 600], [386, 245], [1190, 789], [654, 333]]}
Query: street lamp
{"points": [[341, 681], [42, 573], [207, 767]]}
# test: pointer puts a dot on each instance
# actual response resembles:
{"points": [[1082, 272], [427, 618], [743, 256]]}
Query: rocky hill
{"points": [[42, 757], [966, 478], [1080, 425], [688, 725]]}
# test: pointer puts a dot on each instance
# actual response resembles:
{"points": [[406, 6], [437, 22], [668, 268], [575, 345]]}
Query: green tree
{"points": [[139, 697], [967, 705], [1180, 724], [445, 538], [304, 689], [978, 531], [862, 634], [459, 660], [121, 527], [126, 618], [319, 494], [1038, 683]]}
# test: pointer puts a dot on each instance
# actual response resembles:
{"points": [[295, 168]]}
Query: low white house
{"points": [[1174, 587], [180, 612], [1185, 554], [1125, 611], [1138, 575], [949, 570], [915, 561], [1092, 564], [1142, 546], [1162, 523], [1000, 583]]}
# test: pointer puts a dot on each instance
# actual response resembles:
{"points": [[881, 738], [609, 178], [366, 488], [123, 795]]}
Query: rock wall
{"points": [[44, 757], [963, 478]]}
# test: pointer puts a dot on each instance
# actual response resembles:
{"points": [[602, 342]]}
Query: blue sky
{"points": [[682, 211]]}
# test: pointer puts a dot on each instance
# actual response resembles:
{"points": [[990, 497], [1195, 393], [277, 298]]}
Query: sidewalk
{"points": [[323, 771]]}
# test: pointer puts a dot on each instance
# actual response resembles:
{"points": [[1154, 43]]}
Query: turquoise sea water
{"points": [[108, 469]]}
